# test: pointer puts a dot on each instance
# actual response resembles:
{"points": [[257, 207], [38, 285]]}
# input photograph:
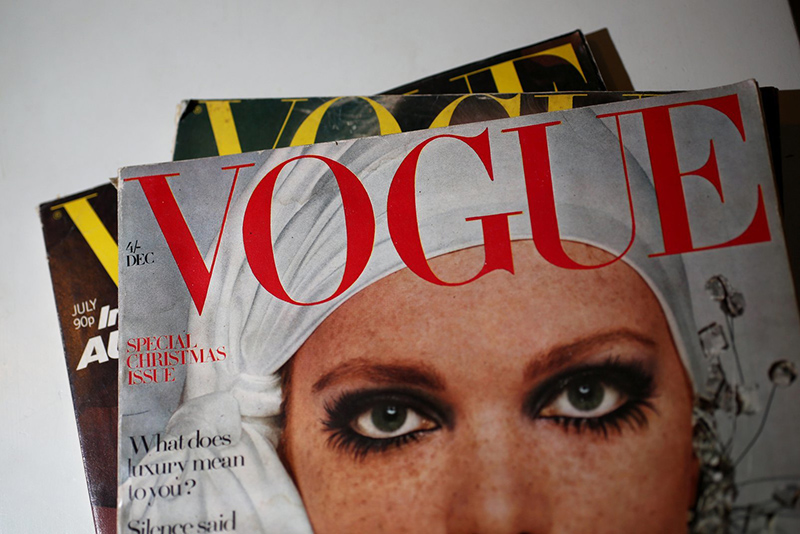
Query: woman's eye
{"points": [[371, 421], [583, 398], [389, 420]]}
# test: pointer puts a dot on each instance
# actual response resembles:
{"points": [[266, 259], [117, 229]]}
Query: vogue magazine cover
{"points": [[223, 127], [80, 235], [563, 63], [580, 321]]}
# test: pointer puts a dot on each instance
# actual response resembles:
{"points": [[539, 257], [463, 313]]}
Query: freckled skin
{"points": [[496, 469]]}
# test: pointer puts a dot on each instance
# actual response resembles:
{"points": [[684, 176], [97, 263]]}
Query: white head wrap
{"points": [[260, 332]]}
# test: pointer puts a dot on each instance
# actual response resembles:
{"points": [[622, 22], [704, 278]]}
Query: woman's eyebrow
{"points": [[561, 355], [419, 375]]}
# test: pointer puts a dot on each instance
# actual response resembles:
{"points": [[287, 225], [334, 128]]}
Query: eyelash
{"points": [[629, 379], [344, 410]]}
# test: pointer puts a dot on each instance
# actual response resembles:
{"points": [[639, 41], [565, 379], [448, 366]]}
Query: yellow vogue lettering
{"points": [[505, 78], [640, 95], [221, 117], [95, 233], [505, 74], [288, 114], [511, 105], [306, 134], [559, 102], [565, 52]]}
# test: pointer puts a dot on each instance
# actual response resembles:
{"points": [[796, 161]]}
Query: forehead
{"points": [[499, 317]]}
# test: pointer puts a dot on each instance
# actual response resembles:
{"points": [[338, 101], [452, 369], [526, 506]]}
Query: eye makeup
{"points": [[364, 421], [603, 397], [600, 398]]}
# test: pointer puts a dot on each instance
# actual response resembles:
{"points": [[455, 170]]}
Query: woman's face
{"points": [[545, 401]]}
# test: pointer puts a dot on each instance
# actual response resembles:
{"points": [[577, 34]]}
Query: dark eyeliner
{"points": [[342, 411], [631, 379]]}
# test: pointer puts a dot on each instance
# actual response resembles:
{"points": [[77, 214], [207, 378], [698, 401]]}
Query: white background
{"points": [[90, 86]]}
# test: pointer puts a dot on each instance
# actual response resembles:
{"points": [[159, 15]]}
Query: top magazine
{"points": [[580, 321], [563, 63]]}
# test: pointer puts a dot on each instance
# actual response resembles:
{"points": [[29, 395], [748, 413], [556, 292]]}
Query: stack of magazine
{"points": [[497, 299]]}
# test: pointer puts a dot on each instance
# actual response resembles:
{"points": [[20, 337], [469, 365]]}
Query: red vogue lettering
{"points": [[401, 214], [668, 178], [541, 197], [178, 236], [257, 229]]}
